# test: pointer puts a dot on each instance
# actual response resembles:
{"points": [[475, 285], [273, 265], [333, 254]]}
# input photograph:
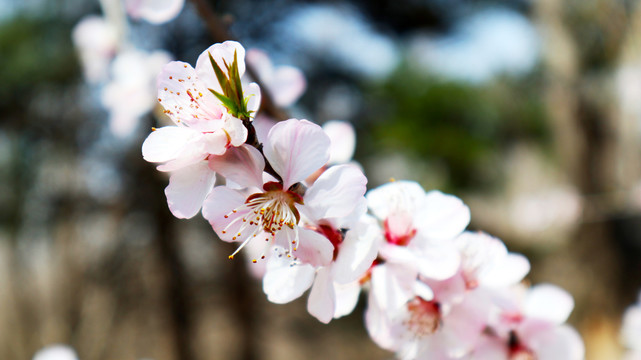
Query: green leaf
{"points": [[227, 102], [222, 79]]}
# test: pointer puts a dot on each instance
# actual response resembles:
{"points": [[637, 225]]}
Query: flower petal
{"points": [[392, 285], [215, 143], [252, 93], [285, 281], [295, 149], [560, 343], [220, 202], [188, 188], [442, 216], [193, 152], [548, 302], [506, 271], [357, 251], [346, 298], [166, 143], [236, 131], [343, 139], [242, 165], [378, 324], [313, 248], [395, 197], [336, 192], [287, 85], [439, 261], [321, 301], [222, 54], [186, 99], [154, 11]]}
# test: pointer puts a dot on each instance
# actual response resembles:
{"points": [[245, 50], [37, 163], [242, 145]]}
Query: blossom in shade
{"points": [[96, 41], [343, 138], [130, 93], [204, 127], [56, 352], [631, 331], [531, 326], [284, 83], [154, 11], [268, 210]]}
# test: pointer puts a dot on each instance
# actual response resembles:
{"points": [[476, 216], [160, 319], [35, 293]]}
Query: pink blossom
{"points": [[419, 229], [203, 128], [429, 325], [271, 211]]}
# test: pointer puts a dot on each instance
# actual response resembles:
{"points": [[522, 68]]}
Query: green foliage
{"points": [[462, 126], [232, 96], [35, 52]]}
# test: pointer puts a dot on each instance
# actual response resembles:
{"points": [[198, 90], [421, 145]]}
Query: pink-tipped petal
{"points": [[242, 165], [295, 149], [321, 301]]}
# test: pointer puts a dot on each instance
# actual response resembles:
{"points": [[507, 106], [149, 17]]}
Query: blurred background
{"points": [[529, 110]]}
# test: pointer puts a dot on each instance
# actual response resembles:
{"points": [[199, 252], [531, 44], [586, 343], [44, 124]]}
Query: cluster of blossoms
{"points": [[297, 206], [124, 73]]}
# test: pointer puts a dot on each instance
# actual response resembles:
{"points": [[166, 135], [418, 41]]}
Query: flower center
{"points": [[399, 230], [518, 351], [333, 235], [268, 211], [424, 317]]}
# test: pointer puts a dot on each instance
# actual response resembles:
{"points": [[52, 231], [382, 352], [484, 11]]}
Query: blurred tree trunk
{"points": [[594, 145]]}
